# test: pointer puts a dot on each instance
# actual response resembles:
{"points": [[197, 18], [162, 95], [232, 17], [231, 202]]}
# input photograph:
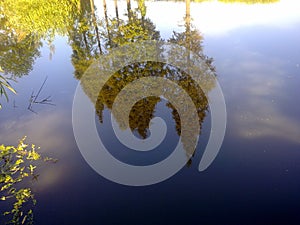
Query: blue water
{"points": [[254, 178]]}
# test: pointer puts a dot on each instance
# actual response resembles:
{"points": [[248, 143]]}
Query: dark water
{"points": [[254, 178]]}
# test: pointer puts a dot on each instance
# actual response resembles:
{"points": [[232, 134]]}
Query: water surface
{"points": [[255, 177]]}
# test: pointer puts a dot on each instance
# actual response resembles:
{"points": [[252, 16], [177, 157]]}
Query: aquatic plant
{"points": [[5, 84], [18, 166]]}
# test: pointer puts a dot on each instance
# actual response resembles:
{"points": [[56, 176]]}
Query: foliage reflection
{"points": [[137, 27]]}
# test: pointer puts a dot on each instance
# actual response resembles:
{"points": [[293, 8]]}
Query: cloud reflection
{"points": [[259, 110], [53, 133], [229, 16]]}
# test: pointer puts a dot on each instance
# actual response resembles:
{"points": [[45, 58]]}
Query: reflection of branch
{"points": [[34, 98]]}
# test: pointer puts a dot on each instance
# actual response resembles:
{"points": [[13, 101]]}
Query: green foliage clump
{"points": [[44, 18], [18, 164]]}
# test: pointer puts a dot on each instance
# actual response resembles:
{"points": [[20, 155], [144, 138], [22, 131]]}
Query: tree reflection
{"points": [[18, 52], [144, 110], [90, 37], [139, 28], [84, 38], [43, 18], [23, 26]]}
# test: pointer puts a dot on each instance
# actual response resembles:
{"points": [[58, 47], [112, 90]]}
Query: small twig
{"points": [[40, 89], [33, 98], [30, 109]]}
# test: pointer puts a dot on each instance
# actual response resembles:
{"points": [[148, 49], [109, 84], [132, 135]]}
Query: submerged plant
{"points": [[18, 164]]}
